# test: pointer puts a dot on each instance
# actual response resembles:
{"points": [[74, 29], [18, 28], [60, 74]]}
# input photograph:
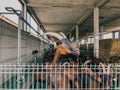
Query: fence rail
{"points": [[59, 77]]}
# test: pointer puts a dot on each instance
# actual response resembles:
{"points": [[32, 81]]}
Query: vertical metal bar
{"points": [[116, 76], [19, 49], [37, 72], [23, 73], [8, 72], [73, 74], [118, 68], [100, 70], [5, 75], [10, 76], [64, 75], [68, 74], [1, 75], [95, 69], [18, 77], [14, 76], [56, 77], [46, 73], [51, 75], [60, 74], [91, 67], [3, 70], [81, 75], [33, 71], [19, 41], [103, 78], [90, 80], [77, 75], [28, 76], [42, 77], [86, 77]]}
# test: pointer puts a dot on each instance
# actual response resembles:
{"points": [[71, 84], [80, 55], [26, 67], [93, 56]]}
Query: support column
{"points": [[1, 28], [87, 42], [24, 14], [119, 34], [25, 29], [101, 31], [77, 31], [90, 39], [77, 35], [113, 34], [25, 17], [96, 32], [38, 28]]}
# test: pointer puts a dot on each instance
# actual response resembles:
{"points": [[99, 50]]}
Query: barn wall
{"points": [[8, 44]]}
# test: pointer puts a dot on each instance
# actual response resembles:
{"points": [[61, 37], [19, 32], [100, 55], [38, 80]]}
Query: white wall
{"points": [[8, 44]]}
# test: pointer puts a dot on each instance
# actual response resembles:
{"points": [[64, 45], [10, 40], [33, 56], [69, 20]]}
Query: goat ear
{"points": [[67, 63], [86, 62], [103, 67]]}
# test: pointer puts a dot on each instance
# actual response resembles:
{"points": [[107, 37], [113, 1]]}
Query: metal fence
{"points": [[60, 77]]}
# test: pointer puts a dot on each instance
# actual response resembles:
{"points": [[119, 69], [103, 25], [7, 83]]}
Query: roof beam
{"points": [[104, 23], [58, 4], [100, 4], [58, 24], [36, 18], [110, 19]]}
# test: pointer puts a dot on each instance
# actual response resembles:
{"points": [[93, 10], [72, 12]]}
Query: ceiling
{"points": [[64, 15]]}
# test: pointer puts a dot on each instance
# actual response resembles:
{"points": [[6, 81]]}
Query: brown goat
{"points": [[88, 79]]}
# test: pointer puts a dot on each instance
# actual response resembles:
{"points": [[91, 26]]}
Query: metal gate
{"points": [[60, 77]]}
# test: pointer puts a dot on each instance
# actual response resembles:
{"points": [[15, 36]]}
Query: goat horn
{"points": [[86, 62], [58, 36], [103, 66], [65, 64], [63, 35], [71, 39], [108, 70]]}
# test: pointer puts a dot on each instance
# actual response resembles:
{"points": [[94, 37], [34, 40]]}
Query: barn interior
{"points": [[94, 26]]}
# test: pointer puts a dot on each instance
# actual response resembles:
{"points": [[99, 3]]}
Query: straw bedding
{"points": [[109, 48]]}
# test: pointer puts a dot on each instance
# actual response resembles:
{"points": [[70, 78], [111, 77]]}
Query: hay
{"points": [[109, 48]]}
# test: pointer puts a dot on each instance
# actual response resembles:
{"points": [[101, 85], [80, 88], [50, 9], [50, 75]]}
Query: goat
{"points": [[88, 79], [84, 81], [58, 79], [67, 46], [41, 77], [53, 77]]}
